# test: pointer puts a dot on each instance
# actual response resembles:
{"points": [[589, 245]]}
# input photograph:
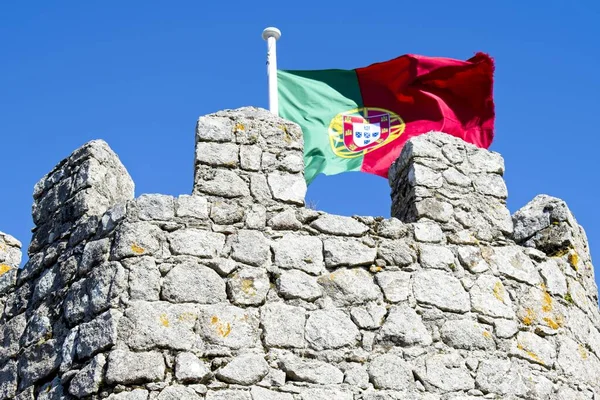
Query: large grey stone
{"points": [[350, 286], [439, 257], [345, 251], [312, 371], [218, 154], [513, 263], [192, 207], [326, 394], [388, 371], [229, 326], [250, 247], [245, 369], [228, 394], [466, 334], [330, 329], [394, 284], [296, 284], [38, 362], [440, 289], [489, 297], [554, 279], [301, 252], [248, 286], [405, 327], [136, 239], [195, 283], [339, 225], [396, 252], [127, 367], [177, 392], [498, 376], [144, 279], [88, 380], [155, 207], [289, 188], [97, 335], [283, 325], [195, 242], [190, 369], [259, 393], [145, 326], [10, 335], [447, 372], [220, 182], [370, 316], [8, 380], [534, 348]]}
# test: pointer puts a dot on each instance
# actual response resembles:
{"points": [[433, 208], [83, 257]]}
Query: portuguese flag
{"points": [[358, 120]]}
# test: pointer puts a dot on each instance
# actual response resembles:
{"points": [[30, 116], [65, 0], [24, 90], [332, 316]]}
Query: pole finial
{"points": [[271, 32]]}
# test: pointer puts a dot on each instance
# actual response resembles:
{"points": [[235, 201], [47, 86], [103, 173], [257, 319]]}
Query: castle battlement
{"points": [[240, 292]]}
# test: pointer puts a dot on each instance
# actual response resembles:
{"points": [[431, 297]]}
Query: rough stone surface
{"points": [[190, 369], [238, 292], [127, 367], [330, 329], [245, 369], [441, 290]]}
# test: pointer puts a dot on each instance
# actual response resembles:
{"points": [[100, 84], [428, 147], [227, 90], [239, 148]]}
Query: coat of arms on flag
{"points": [[363, 129]]}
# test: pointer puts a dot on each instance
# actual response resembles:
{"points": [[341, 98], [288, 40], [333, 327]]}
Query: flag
{"points": [[358, 120]]}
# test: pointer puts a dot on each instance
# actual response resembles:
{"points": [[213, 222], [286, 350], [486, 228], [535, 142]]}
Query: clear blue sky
{"points": [[138, 74]]}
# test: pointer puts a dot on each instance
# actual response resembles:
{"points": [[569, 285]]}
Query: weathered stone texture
{"points": [[238, 292]]}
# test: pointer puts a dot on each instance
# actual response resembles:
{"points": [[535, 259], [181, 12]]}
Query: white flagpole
{"points": [[271, 35]]}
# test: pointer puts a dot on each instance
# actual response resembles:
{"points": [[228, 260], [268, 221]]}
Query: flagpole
{"points": [[271, 35]]}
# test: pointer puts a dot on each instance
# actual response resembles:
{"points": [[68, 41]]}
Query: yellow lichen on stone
{"points": [[582, 352], [574, 259], [551, 323], [529, 317], [240, 127], [137, 249], [4, 269], [223, 329], [546, 300], [164, 320], [186, 316], [499, 291], [375, 268], [248, 287], [487, 335], [531, 354]]}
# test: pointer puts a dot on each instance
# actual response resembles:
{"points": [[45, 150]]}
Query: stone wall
{"points": [[239, 292]]}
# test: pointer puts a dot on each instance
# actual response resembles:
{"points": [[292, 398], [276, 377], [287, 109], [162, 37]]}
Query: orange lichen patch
{"points": [[223, 329], [248, 287], [529, 317], [530, 354], [546, 300], [186, 316], [137, 249], [583, 352], [499, 291], [375, 268], [240, 127], [574, 259], [4, 269], [551, 323], [164, 320], [487, 335]]}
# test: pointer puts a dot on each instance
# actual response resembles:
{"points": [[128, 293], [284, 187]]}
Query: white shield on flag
{"points": [[364, 134]]}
